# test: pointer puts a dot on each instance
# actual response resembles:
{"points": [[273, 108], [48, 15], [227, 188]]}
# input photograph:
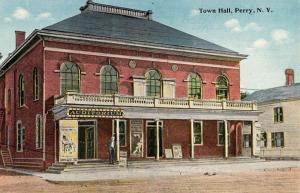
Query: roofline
{"points": [[142, 44], [277, 101], [18, 49], [117, 42]]}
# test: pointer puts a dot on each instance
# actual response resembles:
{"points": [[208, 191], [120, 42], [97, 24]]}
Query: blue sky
{"points": [[271, 40]]}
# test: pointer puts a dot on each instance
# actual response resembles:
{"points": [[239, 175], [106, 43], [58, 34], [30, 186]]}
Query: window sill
{"points": [[35, 100], [198, 144]]}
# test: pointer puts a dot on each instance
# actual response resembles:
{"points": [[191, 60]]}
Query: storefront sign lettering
{"points": [[98, 113]]}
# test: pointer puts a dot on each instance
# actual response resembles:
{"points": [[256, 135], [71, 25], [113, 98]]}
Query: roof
{"points": [[274, 94], [122, 27]]}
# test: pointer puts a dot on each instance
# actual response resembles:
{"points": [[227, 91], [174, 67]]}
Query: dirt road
{"points": [[270, 181]]}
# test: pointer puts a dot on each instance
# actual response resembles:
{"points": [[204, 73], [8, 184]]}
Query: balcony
{"points": [[72, 98]]}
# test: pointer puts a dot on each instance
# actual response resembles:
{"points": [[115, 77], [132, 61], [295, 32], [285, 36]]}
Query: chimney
{"points": [[20, 38], [289, 75]]}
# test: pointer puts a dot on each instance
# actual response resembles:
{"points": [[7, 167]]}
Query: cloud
{"points": [[44, 15], [21, 13], [252, 26], [195, 12], [260, 43], [235, 26], [7, 19], [280, 36]]}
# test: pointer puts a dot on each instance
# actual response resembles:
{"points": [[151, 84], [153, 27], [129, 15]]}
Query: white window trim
{"points": [[114, 130], [228, 130], [21, 142], [39, 146], [198, 144]]}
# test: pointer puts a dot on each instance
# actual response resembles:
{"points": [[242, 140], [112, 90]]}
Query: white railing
{"points": [[140, 101]]}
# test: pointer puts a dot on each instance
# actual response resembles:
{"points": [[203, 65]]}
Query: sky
{"points": [[269, 38]]}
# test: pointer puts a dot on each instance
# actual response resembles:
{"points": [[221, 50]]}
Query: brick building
{"points": [[69, 87]]}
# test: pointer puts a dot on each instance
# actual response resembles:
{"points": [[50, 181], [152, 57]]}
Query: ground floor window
{"points": [[198, 134], [263, 139], [278, 139], [247, 140], [221, 133], [20, 136], [39, 131], [122, 132]]}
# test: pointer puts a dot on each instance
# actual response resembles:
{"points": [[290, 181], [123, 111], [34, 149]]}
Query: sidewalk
{"points": [[138, 173]]}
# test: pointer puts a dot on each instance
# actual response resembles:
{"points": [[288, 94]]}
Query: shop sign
{"points": [[68, 140], [95, 113]]}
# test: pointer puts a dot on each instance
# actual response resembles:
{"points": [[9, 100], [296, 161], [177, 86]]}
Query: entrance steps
{"points": [[6, 157], [58, 168], [105, 166], [190, 162]]}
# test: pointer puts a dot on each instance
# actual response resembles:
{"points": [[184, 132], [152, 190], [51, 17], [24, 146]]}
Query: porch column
{"points": [[192, 140], [118, 139], [226, 138], [157, 139]]}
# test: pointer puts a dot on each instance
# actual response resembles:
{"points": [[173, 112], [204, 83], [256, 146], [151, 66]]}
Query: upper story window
{"points": [[69, 77], [153, 83], [222, 89], [278, 115], [194, 86], [109, 80], [21, 90], [35, 85]]}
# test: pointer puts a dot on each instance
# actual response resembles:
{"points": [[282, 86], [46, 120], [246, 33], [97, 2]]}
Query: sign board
{"points": [[95, 113], [68, 140], [136, 138], [177, 152], [168, 153]]}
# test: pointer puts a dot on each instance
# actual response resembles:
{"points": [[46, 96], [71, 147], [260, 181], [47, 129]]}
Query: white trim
{"points": [[218, 122], [201, 123], [125, 123], [146, 135], [136, 58], [238, 56]]}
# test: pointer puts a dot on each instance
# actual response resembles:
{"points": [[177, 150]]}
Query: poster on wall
{"points": [[136, 138], [68, 140]]}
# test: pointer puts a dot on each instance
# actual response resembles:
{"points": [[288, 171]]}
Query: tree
{"points": [[244, 95]]}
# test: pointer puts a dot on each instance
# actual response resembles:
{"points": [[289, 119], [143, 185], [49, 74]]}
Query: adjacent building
{"points": [[113, 71], [280, 119]]}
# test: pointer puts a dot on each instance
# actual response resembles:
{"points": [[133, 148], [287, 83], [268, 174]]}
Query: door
{"points": [[151, 139], [86, 140]]}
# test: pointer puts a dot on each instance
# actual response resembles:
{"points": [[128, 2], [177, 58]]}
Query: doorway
{"points": [[86, 139], [151, 138]]}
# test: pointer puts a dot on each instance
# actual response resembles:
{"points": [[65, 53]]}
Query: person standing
{"points": [[112, 150]]}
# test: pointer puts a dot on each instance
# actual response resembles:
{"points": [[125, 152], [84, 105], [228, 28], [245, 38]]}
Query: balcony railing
{"points": [[141, 101]]}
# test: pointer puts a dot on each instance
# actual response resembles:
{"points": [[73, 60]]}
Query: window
{"points": [[278, 115], [122, 132], [221, 133], [109, 80], [35, 85], [21, 91], [69, 78], [153, 83], [278, 139], [8, 101], [38, 131], [198, 135], [20, 136], [263, 139], [222, 88], [194, 86], [247, 140]]}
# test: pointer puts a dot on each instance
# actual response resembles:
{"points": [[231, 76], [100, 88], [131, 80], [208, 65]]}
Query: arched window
{"points": [[38, 131], [194, 86], [69, 78], [109, 80], [222, 89], [21, 90], [35, 85], [153, 83]]}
